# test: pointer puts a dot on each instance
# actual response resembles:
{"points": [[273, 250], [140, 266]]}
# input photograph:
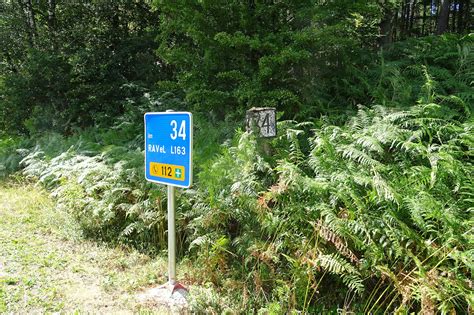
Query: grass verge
{"points": [[46, 265]]}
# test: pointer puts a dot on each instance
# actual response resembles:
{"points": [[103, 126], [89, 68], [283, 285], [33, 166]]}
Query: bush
{"points": [[361, 211], [11, 154], [379, 207]]}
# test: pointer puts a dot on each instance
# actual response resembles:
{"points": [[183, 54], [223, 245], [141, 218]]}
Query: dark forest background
{"points": [[73, 64]]}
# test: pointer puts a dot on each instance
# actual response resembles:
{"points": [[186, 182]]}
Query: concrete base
{"points": [[171, 297]]}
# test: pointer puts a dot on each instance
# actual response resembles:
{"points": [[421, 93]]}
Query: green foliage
{"points": [[441, 65], [34, 99], [380, 208], [11, 154], [365, 211], [97, 191], [293, 55], [366, 208], [97, 175], [76, 66], [382, 204]]}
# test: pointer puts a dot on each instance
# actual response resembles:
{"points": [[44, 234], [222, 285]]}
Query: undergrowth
{"points": [[368, 211], [381, 206]]}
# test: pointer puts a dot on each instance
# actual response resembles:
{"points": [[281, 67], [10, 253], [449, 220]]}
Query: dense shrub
{"points": [[365, 211], [293, 55], [98, 174], [11, 154], [75, 65], [442, 64], [381, 206]]}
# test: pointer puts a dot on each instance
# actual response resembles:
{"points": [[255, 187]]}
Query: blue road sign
{"points": [[168, 148]]}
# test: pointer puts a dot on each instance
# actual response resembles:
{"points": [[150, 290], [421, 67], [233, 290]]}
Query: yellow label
{"points": [[170, 171]]}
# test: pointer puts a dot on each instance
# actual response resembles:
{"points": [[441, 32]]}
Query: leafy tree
{"points": [[73, 64], [228, 56]]}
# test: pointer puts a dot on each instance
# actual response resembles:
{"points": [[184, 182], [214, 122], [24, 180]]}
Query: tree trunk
{"points": [[460, 17], [443, 17], [26, 19], [51, 14], [52, 22], [407, 17], [402, 19], [467, 19], [30, 13], [412, 15], [423, 23], [453, 22], [395, 30], [386, 26], [435, 16]]}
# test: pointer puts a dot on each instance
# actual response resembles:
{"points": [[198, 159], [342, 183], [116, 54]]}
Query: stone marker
{"points": [[263, 120]]}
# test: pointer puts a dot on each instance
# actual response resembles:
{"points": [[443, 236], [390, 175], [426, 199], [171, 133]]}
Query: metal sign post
{"points": [[168, 160], [171, 237]]}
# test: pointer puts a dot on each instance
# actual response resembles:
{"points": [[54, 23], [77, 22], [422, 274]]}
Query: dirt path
{"points": [[45, 265]]}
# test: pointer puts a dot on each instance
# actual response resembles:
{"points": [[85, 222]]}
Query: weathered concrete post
{"points": [[262, 121]]}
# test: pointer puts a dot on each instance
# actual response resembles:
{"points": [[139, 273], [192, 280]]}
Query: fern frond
{"points": [[384, 190], [337, 265], [352, 153], [370, 143], [361, 120], [296, 155]]}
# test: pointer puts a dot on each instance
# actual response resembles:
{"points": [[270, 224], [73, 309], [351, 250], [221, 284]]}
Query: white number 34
{"points": [[182, 130]]}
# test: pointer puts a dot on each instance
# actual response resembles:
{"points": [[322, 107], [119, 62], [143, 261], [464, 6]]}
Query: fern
{"points": [[352, 153], [336, 265], [378, 202]]}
